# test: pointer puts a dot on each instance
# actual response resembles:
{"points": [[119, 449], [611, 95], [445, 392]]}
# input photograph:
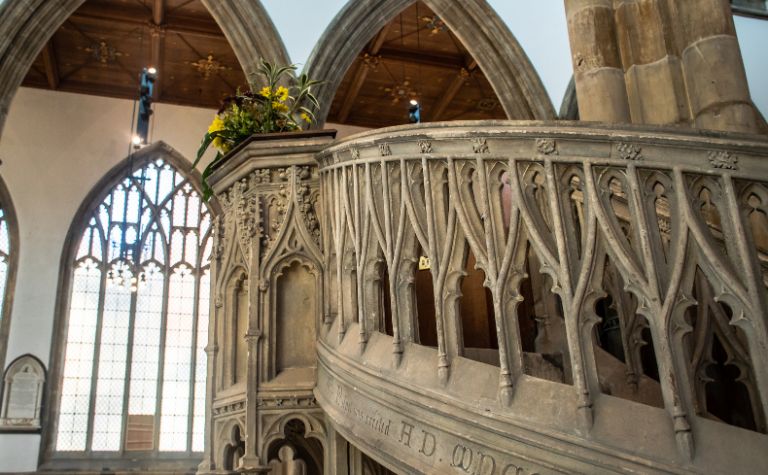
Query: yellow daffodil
{"points": [[279, 107], [266, 91], [281, 94], [216, 125], [306, 117]]}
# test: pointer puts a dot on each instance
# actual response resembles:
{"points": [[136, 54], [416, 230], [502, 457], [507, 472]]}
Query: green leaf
{"points": [[207, 139], [313, 100], [207, 190]]}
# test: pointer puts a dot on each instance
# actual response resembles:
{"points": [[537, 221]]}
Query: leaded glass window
{"points": [[134, 368], [5, 256]]}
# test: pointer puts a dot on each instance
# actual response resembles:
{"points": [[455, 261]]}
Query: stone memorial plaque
{"points": [[24, 382], [22, 397]]}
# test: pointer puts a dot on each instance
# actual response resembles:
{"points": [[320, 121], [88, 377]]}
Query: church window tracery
{"points": [[134, 367]]}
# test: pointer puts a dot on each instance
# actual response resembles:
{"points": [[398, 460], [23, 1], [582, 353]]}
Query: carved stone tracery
{"points": [[266, 271], [619, 245]]}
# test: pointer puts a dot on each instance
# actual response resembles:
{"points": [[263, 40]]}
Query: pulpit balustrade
{"points": [[626, 274]]}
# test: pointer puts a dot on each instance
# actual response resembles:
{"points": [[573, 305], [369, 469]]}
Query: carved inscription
{"points": [[374, 421], [432, 447]]}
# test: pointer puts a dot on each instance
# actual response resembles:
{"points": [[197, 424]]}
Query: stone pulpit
{"points": [[266, 309]]}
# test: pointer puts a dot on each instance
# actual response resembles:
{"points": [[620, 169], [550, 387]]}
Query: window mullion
{"points": [[161, 358], [96, 355], [193, 361], [128, 368]]}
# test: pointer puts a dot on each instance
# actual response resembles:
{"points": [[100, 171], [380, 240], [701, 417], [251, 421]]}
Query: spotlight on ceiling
{"points": [[136, 140]]}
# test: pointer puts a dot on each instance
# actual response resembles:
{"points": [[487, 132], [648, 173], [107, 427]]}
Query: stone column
{"points": [[336, 458], [714, 74], [597, 66], [650, 56]]}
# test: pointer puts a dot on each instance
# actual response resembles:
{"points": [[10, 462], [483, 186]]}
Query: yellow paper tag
{"points": [[424, 263]]}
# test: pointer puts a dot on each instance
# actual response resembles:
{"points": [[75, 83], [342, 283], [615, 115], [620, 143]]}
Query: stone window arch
{"points": [[757, 8], [9, 251], [510, 73], [130, 362]]}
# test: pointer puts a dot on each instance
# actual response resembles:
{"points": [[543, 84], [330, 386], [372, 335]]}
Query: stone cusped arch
{"points": [[25, 27], [275, 431], [486, 37]]}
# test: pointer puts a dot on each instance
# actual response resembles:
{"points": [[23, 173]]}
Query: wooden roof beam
{"points": [[404, 55], [158, 12], [452, 90], [367, 61], [51, 67], [200, 29]]}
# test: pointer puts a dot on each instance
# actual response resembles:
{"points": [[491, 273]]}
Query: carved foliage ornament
{"points": [[724, 160], [480, 145], [629, 151], [248, 219], [546, 146], [229, 408], [306, 202], [279, 402]]}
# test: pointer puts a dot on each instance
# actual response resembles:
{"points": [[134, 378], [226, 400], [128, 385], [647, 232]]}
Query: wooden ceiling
{"points": [[103, 46], [415, 56]]}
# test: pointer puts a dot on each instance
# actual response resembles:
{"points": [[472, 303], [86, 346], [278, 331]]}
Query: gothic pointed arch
{"points": [[474, 22], [128, 360], [9, 252], [26, 26]]}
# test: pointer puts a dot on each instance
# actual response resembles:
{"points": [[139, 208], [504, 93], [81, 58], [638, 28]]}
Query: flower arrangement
{"points": [[275, 108]]}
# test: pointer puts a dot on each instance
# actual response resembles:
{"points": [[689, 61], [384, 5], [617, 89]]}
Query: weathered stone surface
{"points": [[657, 92]]}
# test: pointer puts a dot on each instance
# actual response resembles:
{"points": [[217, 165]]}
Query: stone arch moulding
{"points": [[71, 242], [272, 325], [313, 428], [486, 37], [26, 26], [226, 433], [6, 297]]}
